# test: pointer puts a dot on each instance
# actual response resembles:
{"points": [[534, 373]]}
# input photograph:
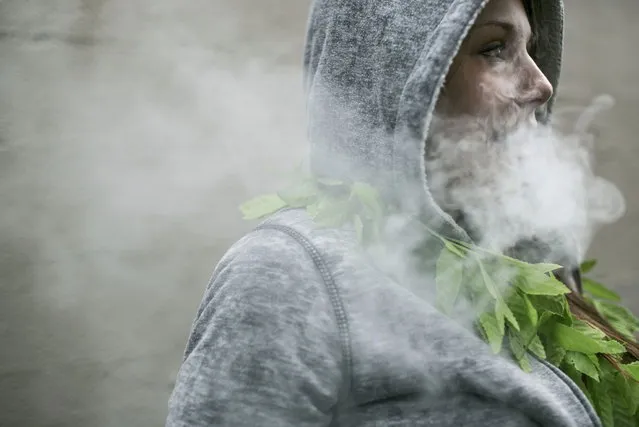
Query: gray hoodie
{"points": [[298, 327]]}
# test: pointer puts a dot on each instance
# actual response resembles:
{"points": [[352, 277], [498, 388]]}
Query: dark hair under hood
{"points": [[373, 73]]}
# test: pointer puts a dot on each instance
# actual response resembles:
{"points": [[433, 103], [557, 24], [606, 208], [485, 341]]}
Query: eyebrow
{"points": [[504, 24], [507, 26]]}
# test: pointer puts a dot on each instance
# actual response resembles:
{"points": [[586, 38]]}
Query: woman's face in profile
{"points": [[494, 76]]}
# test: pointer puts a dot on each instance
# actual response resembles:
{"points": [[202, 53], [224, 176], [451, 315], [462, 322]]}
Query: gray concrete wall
{"points": [[130, 130]]}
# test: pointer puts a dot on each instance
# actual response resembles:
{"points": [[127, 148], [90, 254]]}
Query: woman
{"points": [[299, 327]]}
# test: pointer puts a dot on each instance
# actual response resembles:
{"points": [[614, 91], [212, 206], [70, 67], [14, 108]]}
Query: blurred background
{"points": [[129, 133]]}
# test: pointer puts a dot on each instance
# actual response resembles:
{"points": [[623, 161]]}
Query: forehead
{"points": [[508, 11]]}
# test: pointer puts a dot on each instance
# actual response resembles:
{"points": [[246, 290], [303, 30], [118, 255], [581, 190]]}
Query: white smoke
{"points": [[130, 131], [534, 183], [145, 131]]}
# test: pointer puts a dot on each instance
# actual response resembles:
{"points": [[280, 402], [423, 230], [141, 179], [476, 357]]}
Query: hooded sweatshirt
{"points": [[298, 326]]}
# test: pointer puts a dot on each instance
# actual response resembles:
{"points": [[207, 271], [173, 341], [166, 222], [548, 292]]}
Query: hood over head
{"points": [[373, 73]]}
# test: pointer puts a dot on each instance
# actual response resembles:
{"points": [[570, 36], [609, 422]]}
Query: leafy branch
{"points": [[519, 303]]}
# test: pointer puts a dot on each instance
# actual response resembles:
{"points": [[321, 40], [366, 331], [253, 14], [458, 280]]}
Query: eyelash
{"points": [[494, 50]]}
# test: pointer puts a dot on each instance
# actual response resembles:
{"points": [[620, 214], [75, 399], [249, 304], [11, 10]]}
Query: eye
{"points": [[493, 49]]}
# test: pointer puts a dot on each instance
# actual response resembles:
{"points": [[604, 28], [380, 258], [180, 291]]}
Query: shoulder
{"points": [[283, 264], [274, 282], [288, 243], [274, 252], [267, 333]]}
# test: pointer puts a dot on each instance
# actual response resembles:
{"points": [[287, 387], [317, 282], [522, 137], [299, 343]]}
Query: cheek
{"points": [[496, 94], [477, 91]]}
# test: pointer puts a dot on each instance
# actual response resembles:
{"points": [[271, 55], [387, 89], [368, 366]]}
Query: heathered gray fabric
{"points": [[373, 70], [298, 326], [299, 329]]}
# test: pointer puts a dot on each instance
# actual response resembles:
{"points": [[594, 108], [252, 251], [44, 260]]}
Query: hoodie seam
{"points": [[334, 296], [575, 390]]}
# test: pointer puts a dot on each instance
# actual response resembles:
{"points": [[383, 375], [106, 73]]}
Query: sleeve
{"points": [[264, 349]]}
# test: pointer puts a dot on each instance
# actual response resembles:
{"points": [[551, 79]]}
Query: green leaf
{"points": [[634, 395], [365, 192], [502, 311], [598, 290], [587, 266], [519, 351], [524, 312], [488, 282], [574, 340], [619, 317], [531, 312], [366, 230], [623, 328], [617, 312], [514, 261], [620, 393], [262, 206], [632, 369], [546, 268], [329, 182], [524, 364], [555, 353], [313, 209], [448, 278], [595, 360], [535, 282], [550, 304], [583, 364], [537, 348], [612, 347], [369, 197], [589, 330], [545, 318], [332, 212], [475, 290], [516, 345], [578, 379], [494, 335], [299, 195], [456, 249], [603, 404], [501, 320]]}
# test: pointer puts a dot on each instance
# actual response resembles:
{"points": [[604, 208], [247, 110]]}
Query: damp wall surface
{"points": [[130, 131]]}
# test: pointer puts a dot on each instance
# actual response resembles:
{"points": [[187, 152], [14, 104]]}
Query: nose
{"points": [[536, 89]]}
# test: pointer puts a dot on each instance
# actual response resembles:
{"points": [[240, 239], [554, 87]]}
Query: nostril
{"points": [[546, 90], [542, 86], [536, 94]]}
